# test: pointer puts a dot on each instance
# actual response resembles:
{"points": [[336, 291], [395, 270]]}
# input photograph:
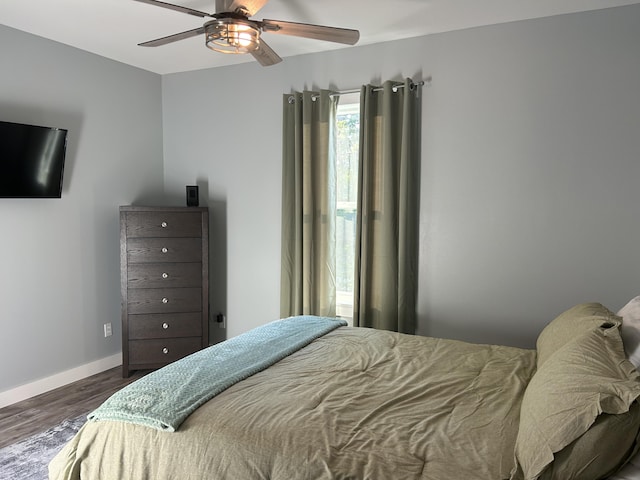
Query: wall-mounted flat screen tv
{"points": [[31, 160]]}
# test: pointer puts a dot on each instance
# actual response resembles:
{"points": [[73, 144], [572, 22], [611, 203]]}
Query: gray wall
{"points": [[59, 258], [530, 154]]}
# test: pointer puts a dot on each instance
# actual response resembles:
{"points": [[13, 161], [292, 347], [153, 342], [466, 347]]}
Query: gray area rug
{"points": [[29, 459]]}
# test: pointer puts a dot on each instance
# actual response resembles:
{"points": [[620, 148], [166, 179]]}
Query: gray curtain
{"points": [[386, 272], [308, 205]]}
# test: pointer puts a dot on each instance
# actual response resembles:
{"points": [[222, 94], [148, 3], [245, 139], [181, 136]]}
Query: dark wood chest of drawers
{"points": [[164, 259]]}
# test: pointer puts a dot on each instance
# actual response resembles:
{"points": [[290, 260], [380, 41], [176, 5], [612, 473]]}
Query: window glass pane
{"points": [[348, 133]]}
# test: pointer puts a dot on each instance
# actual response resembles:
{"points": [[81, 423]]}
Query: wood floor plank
{"points": [[37, 414]]}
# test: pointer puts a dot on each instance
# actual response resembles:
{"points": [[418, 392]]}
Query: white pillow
{"points": [[630, 333], [630, 330]]}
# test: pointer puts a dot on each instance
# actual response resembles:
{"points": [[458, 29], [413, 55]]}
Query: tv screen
{"points": [[31, 161]]}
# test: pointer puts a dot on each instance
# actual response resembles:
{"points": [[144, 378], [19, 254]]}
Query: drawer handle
{"points": [[165, 249], [165, 325], [165, 275], [165, 350], [165, 300], [164, 224]]}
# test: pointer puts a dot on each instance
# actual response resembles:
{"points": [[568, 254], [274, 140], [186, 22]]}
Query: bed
{"points": [[358, 403]]}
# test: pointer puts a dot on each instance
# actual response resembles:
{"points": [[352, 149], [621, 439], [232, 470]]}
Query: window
{"points": [[348, 138]]}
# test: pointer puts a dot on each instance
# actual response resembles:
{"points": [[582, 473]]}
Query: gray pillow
{"points": [[598, 450], [587, 377], [571, 324]]}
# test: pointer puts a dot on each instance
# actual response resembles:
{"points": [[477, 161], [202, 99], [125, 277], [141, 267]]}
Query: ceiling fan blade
{"points": [[317, 32], [177, 8], [249, 7], [173, 38], [265, 55]]}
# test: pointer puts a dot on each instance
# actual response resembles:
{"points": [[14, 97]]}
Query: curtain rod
{"points": [[426, 81]]}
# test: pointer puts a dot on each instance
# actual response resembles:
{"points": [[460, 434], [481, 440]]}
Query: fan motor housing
{"points": [[230, 34]]}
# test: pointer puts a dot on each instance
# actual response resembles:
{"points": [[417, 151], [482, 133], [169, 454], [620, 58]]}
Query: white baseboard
{"points": [[23, 392]]}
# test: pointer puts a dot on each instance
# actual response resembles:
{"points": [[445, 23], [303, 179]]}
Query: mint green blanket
{"points": [[165, 398]]}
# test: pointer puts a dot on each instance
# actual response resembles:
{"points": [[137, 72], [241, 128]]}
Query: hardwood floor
{"points": [[37, 414]]}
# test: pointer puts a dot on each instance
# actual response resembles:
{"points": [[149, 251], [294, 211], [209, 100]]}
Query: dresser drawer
{"points": [[163, 250], [164, 300], [165, 325], [164, 224], [162, 350], [164, 275]]}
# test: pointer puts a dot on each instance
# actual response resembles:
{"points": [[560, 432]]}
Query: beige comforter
{"points": [[354, 404]]}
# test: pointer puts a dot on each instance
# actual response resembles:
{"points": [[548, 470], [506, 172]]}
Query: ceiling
{"points": [[113, 28]]}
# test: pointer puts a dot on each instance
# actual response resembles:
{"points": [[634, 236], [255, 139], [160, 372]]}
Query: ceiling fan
{"points": [[232, 31]]}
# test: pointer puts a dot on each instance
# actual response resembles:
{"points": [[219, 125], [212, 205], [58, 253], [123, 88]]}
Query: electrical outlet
{"points": [[107, 330]]}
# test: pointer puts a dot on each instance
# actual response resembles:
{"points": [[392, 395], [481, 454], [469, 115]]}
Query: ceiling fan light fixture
{"points": [[231, 35]]}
